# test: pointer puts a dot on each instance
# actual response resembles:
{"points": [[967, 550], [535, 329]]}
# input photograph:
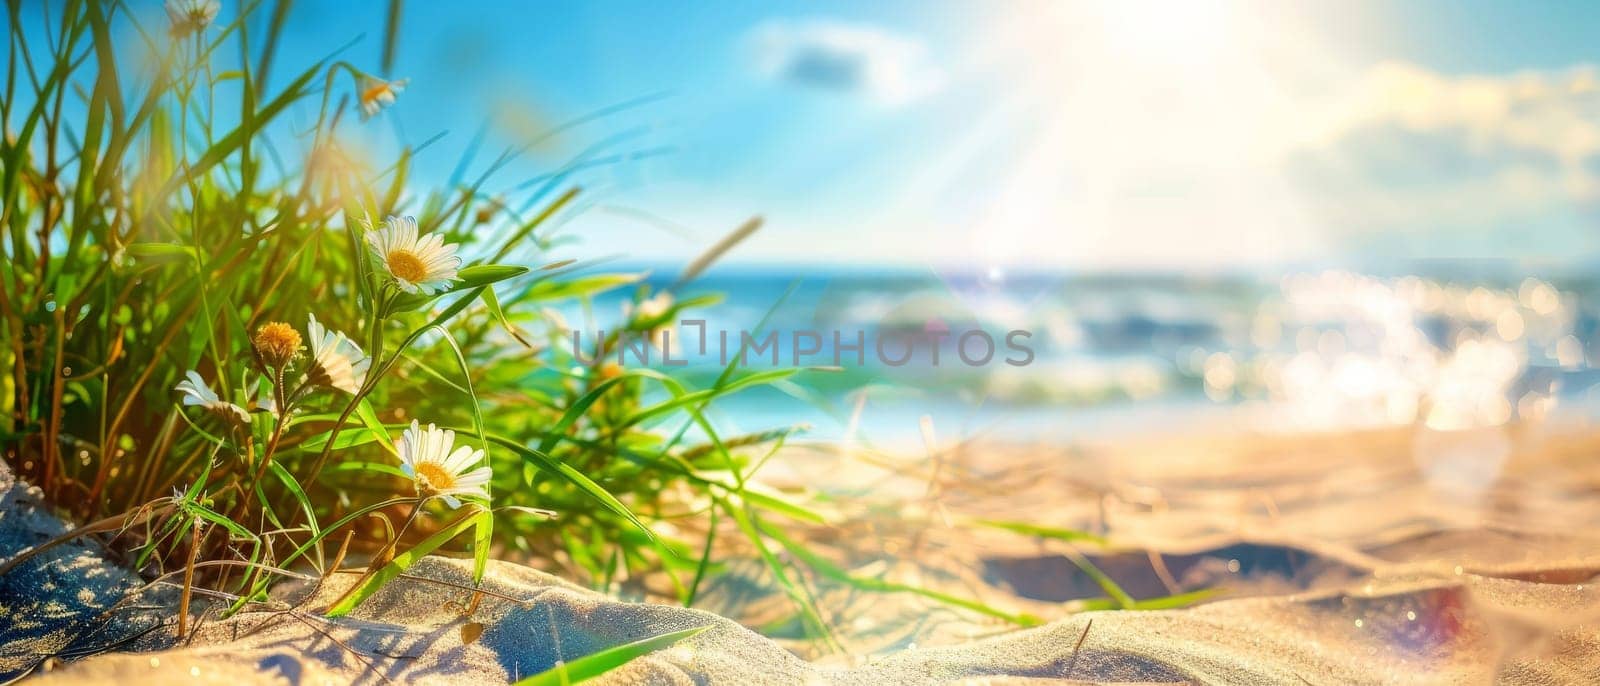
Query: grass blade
{"points": [[401, 562], [597, 664], [549, 465], [1026, 529]]}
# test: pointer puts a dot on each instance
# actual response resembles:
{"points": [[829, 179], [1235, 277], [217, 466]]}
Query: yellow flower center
{"points": [[405, 265], [434, 478], [374, 92], [277, 343]]}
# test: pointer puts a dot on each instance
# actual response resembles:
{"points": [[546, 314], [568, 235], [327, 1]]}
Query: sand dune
{"points": [[1343, 559], [1466, 629]]}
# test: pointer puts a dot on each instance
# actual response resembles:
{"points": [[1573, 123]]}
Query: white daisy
{"points": [[653, 307], [419, 264], [426, 457], [197, 393], [377, 94], [651, 311], [191, 15], [336, 361]]}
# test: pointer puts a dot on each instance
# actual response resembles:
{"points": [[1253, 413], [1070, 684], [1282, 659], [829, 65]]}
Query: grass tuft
{"points": [[167, 236]]}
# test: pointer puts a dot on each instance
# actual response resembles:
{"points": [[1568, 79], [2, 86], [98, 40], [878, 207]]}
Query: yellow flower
{"points": [[419, 264], [276, 344], [427, 457]]}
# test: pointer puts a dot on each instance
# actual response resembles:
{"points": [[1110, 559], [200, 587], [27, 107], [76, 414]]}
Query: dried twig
{"points": [[107, 524], [1073, 663], [188, 580]]}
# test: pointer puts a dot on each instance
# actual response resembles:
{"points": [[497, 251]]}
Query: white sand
{"points": [[1463, 627], [58, 601], [1345, 559]]}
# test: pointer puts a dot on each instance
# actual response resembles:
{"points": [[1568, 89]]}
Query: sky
{"points": [[1072, 135]]}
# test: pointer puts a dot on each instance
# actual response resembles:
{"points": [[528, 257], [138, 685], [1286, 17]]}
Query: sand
{"points": [[412, 633], [57, 603], [1395, 556]]}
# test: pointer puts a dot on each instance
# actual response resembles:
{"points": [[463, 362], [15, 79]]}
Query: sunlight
{"points": [[800, 342], [1171, 33], [1154, 137]]}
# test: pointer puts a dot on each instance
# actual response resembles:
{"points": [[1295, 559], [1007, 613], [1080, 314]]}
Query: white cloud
{"points": [[1512, 159], [852, 59], [1080, 135], [1553, 113]]}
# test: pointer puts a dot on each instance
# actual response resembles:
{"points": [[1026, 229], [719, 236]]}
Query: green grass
{"points": [[153, 222], [591, 666]]}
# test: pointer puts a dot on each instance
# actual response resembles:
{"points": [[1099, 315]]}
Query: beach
{"points": [[1328, 558], [1132, 342]]}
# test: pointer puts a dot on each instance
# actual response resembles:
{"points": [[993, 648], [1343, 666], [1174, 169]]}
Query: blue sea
{"points": [[1449, 347]]}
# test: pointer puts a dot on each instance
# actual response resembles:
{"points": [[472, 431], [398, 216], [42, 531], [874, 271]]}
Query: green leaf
{"points": [[160, 251], [217, 518], [199, 484], [1124, 600], [482, 535], [597, 664], [530, 511], [260, 586], [1027, 529], [299, 495], [551, 466], [808, 609], [539, 219], [247, 129], [575, 412], [579, 287], [780, 506], [348, 438], [492, 301], [701, 396], [485, 274], [369, 418], [379, 467], [1175, 601], [403, 561], [830, 570], [484, 530]]}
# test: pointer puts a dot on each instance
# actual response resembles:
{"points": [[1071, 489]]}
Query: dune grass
{"points": [[591, 666], [174, 220], [169, 232]]}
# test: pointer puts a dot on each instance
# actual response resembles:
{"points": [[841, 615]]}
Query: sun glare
{"points": [[1166, 32], [1152, 129]]}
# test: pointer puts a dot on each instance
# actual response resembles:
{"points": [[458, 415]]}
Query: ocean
{"points": [[1099, 355]]}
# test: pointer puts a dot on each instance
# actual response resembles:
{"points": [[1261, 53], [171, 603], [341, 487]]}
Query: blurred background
{"points": [[1272, 216]]}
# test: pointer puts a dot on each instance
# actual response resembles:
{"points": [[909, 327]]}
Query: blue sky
{"points": [[989, 134]]}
